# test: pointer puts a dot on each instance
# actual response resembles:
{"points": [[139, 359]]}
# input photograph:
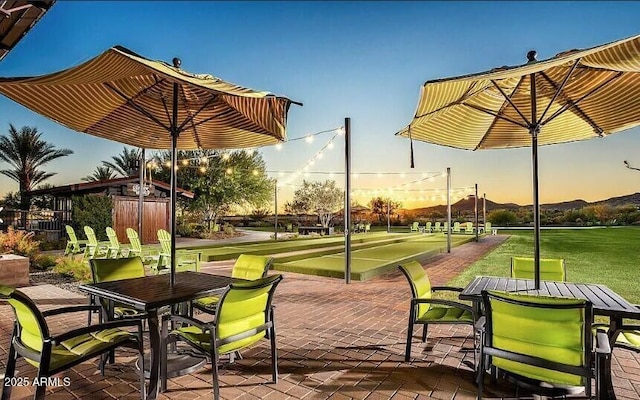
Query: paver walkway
{"points": [[335, 341]]}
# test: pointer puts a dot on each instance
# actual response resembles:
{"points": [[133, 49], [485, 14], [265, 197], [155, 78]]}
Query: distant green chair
{"points": [[114, 249], [216, 227], [437, 227], [456, 227], [367, 227], [425, 309], [288, 227], [488, 229], [52, 355], [247, 266], [136, 249], [427, 227], [542, 344], [414, 227], [468, 228], [93, 249], [244, 317], [551, 269], [74, 246], [186, 260]]}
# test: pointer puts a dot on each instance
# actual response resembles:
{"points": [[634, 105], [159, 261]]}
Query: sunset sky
{"points": [[363, 60]]}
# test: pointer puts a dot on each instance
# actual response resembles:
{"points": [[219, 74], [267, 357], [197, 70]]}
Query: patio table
{"points": [[148, 294], [605, 302]]}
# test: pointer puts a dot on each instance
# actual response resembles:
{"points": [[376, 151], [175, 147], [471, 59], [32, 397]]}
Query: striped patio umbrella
{"points": [[125, 97], [576, 95]]}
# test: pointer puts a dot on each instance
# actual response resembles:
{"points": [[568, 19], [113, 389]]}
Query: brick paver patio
{"points": [[335, 341]]}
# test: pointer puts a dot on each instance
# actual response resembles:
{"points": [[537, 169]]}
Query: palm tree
{"points": [[26, 152], [102, 173], [124, 162]]}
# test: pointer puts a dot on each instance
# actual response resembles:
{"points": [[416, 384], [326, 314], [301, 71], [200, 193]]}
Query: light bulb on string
{"points": [[309, 139], [203, 169], [168, 164], [340, 131], [226, 156], [279, 146], [185, 162], [229, 171], [255, 172], [330, 145], [204, 160]]}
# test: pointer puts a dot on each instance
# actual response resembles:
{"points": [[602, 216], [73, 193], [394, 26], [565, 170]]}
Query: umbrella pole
{"points": [[448, 228], [534, 129], [174, 178], [141, 175], [347, 200], [475, 211]]}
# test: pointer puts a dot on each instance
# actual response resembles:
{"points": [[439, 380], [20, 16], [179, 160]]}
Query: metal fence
{"points": [[50, 223]]}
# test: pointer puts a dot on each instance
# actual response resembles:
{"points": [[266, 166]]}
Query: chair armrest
{"points": [[443, 302], [449, 288], [121, 323], [186, 320], [70, 309], [602, 343]]}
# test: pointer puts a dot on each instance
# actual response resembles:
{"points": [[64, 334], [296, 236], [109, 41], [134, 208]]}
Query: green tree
{"points": [[124, 162], [26, 153], [238, 179], [379, 206], [94, 211], [320, 198], [101, 173], [502, 217]]}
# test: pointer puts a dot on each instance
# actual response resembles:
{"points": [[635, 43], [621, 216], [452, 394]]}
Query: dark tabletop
{"points": [[605, 301], [151, 292]]}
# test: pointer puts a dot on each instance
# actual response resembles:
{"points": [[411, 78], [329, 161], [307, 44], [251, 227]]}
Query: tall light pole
{"points": [[448, 210], [275, 198], [347, 200]]}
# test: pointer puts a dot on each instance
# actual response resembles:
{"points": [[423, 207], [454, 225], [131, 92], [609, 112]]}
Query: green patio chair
{"points": [[136, 249], [244, 317], [437, 227], [468, 228], [186, 260], [288, 227], [542, 344], [51, 355], [216, 228], [456, 227], [551, 269], [425, 309], [114, 249], [109, 269], [93, 249], [427, 227], [247, 266], [488, 229], [414, 227], [627, 338], [74, 246], [367, 227]]}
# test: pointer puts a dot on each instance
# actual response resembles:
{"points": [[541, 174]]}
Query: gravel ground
{"points": [[39, 278]]}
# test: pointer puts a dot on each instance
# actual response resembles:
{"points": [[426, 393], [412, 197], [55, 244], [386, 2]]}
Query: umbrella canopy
{"points": [[16, 19], [576, 95], [125, 97]]}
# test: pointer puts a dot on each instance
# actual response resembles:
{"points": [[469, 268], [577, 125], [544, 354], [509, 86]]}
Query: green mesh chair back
{"points": [[251, 267], [555, 331], [107, 269], [243, 308], [420, 284], [551, 269], [31, 324]]}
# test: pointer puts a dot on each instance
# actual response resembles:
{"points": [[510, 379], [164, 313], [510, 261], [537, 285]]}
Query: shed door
{"points": [[125, 215]]}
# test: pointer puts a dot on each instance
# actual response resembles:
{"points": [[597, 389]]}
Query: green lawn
{"points": [[608, 256]]}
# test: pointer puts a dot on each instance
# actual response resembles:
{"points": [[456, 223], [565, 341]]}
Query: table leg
{"points": [[154, 339]]}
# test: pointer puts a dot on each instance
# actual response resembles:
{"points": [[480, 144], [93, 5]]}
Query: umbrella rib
{"points": [[136, 106], [508, 98], [559, 90], [191, 117], [569, 105], [493, 123], [494, 114]]}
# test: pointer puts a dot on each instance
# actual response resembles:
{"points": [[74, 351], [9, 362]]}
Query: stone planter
{"points": [[14, 270]]}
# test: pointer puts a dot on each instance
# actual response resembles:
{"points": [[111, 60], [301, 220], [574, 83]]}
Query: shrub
{"points": [[43, 262], [18, 242], [229, 229], [73, 268], [502, 217], [94, 211]]}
